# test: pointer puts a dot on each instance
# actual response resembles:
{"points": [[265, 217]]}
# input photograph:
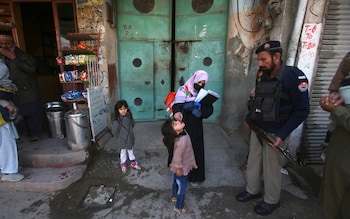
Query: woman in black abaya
{"points": [[192, 114]]}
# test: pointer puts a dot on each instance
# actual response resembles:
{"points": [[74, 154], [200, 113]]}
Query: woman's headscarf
{"points": [[187, 93]]}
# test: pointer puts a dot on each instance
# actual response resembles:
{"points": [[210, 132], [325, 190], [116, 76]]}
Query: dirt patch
{"points": [[136, 201]]}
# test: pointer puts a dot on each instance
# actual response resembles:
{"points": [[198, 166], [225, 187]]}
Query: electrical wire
{"points": [[240, 23]]}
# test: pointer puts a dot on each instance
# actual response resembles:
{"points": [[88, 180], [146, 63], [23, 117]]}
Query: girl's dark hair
{"points": [[169, 136], [120, 104]]}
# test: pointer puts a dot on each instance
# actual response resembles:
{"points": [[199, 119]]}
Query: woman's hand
{"points": [[178, 116]]}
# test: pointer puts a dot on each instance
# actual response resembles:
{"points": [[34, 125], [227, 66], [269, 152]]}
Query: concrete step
{"points": [[48, 152], [48, 165], [45, 179]]}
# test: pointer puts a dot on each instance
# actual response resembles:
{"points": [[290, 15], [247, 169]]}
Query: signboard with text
{"points": [[97, 110]]}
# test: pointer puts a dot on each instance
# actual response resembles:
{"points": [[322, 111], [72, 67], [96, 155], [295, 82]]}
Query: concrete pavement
{"points": [[224, 155], [146, 193]]}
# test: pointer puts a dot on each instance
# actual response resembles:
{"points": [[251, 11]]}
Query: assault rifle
{"points": [[262, 135]]}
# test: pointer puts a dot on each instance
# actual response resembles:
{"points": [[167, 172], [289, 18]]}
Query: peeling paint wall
{"points": [[110, 48], [250, 24]]}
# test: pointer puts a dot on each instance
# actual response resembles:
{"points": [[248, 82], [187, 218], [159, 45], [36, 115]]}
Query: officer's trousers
{"points": [[267, 162]]}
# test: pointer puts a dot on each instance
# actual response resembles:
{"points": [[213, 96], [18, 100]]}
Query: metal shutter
{"points": [[335, 44]]}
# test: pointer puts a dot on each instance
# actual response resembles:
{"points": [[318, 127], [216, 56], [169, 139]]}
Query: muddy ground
{"points": [[146, 193], [137, 201]]}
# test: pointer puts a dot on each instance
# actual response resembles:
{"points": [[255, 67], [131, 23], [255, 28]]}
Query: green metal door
{"points": [[161, 43], [144, 55], [201, 35]]}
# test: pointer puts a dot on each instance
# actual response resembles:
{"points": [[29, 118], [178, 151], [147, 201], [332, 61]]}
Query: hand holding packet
{"points": [[188, 106], [193, 107], [197, 105], [197, 109]]}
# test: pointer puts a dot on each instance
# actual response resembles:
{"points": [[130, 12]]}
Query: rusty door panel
{"points": [[201, 28], [183, 51], [137, 27], [136, 75], [162, 78], [144, 20], [147, 33], [144, 55]]}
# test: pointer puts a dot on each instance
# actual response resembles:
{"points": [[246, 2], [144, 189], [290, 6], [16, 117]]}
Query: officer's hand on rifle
{"points": [[277, 142]]}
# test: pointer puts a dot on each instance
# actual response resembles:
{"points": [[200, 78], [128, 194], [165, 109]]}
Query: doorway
{"points": [[36, 34], [37, 26], [161, 43]]}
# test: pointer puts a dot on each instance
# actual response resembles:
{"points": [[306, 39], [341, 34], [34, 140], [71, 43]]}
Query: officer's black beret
{"points": [[274, 46]]}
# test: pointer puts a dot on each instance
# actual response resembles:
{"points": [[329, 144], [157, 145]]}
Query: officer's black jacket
{"points": [[296, 106]]}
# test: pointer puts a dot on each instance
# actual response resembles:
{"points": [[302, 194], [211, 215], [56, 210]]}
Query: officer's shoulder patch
{"points": [[303, 86]]}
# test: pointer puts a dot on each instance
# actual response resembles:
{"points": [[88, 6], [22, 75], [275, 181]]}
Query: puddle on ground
{"points": [[99, 196]]}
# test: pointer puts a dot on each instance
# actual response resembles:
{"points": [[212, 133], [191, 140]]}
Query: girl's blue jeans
{"points": [[179, 190]]}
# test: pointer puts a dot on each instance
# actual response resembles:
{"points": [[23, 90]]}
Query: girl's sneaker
{"points": [[123, 167], [135, 165]]}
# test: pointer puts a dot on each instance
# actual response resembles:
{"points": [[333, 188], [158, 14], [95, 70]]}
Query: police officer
{"points": [[281, 103]]}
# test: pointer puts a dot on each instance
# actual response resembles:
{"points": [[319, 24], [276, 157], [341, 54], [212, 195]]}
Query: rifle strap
{"points": [[260, 138]]}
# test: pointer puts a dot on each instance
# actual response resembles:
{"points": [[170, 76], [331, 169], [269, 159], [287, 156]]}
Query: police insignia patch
{"points": [[303, 86]]}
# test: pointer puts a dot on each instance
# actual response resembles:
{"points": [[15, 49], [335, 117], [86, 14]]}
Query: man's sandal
{"points": [[173, 199], [182, 211]]}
